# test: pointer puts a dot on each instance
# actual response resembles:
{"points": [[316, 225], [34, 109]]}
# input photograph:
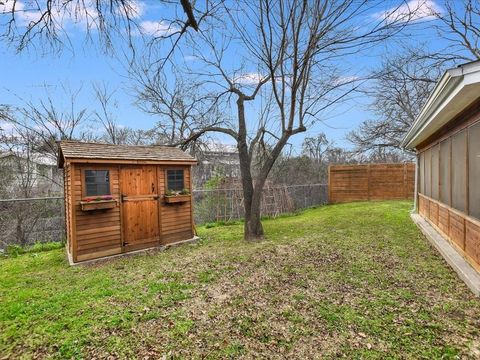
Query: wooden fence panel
{"points": [[365, 182]]}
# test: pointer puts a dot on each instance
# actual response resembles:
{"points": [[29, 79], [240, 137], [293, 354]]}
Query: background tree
{"points": [[186, 113], [113, 132], [406, 78], [48, 120], [315, 147]]}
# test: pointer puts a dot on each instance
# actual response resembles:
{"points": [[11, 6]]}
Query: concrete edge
{"points": [[160, 247], [464, 270]]}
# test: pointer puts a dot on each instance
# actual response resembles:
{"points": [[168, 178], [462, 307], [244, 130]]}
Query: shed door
{"points": [[139, 206]]}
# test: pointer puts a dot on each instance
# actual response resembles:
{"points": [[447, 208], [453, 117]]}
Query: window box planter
{"points": [[98, 205], [177, 198]]}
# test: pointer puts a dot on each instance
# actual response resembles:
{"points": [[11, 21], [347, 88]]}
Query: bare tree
{"points": [[315, 147], [186, 113], [459, 25], [406, 79], [114, 133], [403, 84], [49, 21], [289, 71], [49, 120]]}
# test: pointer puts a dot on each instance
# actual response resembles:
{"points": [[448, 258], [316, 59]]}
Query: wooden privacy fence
{"points": [[370, 182]]}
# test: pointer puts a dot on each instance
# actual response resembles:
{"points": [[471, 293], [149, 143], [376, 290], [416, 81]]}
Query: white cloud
{"points": [[83, 16], [135, 9], [8, 128], [157, 28], [22, 14], [7, 6], [190, 58], [248, 78], [413, 10], [344, 80]]}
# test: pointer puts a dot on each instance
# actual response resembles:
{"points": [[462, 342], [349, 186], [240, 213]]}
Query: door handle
{"points": [[153, 188]]}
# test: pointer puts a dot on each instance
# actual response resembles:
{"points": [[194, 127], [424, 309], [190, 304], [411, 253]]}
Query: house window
{"points": [[43, 170], [175, 180], [97, 182]]}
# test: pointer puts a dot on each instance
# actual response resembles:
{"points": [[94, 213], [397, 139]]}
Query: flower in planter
{"points": [[98, 198], [170, 192], [184, 192]]}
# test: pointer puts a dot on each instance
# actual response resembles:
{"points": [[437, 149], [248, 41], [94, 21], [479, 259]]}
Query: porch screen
{"points": [[428, 172], [474, 170], [435, 157], [445, 172], [421, 168], [459, 171]]}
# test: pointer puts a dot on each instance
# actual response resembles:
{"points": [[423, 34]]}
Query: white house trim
{"points": [[456, 90]]}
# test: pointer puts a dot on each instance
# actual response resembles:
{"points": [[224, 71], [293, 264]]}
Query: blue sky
{"points": [[24, 75]]}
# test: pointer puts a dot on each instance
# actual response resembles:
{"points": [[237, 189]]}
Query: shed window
{"points": [[175, 180], [97, 182]]}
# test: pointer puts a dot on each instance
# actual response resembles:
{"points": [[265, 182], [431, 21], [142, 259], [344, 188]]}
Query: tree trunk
{"points": [[253, 229]]}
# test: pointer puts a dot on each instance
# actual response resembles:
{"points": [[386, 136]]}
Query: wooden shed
{"points": [[121, 198], [446, 138]]}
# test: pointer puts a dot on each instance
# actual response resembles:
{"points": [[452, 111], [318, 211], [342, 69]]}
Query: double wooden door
{"points": [[140, 206]]}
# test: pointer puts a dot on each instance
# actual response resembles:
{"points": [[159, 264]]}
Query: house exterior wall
{"points": [[99, 233], [449, 182], [37, 175]]}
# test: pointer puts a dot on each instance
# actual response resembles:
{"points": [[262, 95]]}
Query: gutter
{"points": [[442, 90]]}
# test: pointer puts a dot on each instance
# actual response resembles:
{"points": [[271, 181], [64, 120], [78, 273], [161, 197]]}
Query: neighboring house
{"points": [[216, 159], [446, 138], [34, 174]]}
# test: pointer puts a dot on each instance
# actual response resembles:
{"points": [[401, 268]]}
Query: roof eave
{"points": [[438, 95], [131, 161], [60, 158], [455, 90]]}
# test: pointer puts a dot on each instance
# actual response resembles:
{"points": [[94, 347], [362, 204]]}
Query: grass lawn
{"points": [[354, 280]]}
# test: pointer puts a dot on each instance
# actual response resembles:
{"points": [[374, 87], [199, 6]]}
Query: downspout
{"points": [[415, 194]]}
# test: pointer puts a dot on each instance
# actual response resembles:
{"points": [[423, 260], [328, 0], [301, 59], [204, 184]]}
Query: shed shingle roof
{"points": [[84, 150]]}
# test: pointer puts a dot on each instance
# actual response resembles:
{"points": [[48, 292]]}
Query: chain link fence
{"points": [[27, 221], [227, 204]]}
